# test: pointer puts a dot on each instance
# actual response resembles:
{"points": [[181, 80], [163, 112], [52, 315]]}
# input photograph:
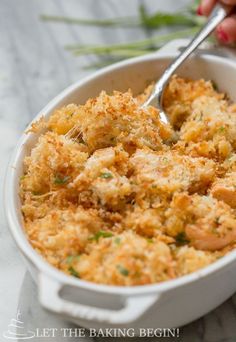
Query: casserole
{"points": [[168, 304]]}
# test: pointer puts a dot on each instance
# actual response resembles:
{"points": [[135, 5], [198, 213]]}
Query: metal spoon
{"points": [[156, 98]]}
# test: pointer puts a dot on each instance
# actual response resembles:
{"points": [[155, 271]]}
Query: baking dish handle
{"points": [[133, 309]]}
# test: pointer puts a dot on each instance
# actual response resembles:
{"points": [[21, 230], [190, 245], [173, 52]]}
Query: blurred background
{"points": [[43, 47]]}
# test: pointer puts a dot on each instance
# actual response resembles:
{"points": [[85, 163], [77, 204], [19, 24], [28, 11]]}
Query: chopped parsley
{"points": [[181, 239], [122, 270], [59, 180], [221, 129], [72, 258], [100, 234], [117, 240], [69, 259], [214, 85], [106, 175], [149, 240], [73, 272], [36, 193]]}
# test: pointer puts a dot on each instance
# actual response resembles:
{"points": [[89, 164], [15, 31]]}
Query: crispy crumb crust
{"points": [[107, 198]]}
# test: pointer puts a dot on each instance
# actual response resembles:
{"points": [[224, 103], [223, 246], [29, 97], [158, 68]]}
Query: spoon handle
{"points": [[218, 14]]}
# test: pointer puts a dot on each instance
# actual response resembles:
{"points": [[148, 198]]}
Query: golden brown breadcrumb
{"points": [[108, 197]]}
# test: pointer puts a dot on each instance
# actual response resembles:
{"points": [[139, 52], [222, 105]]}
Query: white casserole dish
{"points": [[168, 304]]}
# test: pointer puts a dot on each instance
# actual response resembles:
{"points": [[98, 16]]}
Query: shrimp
{"points": [[212, 223], [210, 240], [224, 189]]}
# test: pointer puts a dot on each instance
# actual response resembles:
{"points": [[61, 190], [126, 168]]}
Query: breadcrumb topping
{"points": [[109, 197]]}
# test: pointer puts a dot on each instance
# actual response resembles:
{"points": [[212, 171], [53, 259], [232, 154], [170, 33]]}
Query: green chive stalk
{"points": [[186, 22]]}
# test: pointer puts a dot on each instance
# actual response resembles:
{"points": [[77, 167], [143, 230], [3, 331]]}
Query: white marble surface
{"points": [[34, 67]]}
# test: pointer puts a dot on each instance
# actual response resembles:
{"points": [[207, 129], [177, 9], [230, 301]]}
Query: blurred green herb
{"points": [[73, 272], [214, 85], [100, 234], [128, 21], [36, 193], [117, 241], [222, 129], [106, 175], [181, 239], [72, 258], [122, 270], [158, 19], [185, 24], [133, 48], [59, 180]]}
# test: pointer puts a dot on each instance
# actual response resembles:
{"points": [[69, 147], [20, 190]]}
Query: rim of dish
{"points": [[16, 227]]}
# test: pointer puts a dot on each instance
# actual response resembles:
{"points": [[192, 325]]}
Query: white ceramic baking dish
{"points": [[168, 304]]}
